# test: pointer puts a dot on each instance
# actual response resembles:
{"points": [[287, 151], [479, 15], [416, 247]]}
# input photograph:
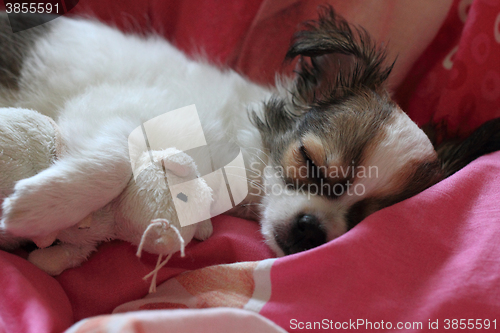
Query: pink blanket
{"points": [[430, 260]]}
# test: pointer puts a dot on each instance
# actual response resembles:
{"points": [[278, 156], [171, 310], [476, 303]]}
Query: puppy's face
{"points": [[340, 148]]}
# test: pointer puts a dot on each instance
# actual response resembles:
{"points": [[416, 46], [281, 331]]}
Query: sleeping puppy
{"points": [[325, 150], [340, 148]]}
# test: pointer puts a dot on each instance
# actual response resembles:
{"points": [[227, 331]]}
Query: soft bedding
{"points": [[431, 261]]}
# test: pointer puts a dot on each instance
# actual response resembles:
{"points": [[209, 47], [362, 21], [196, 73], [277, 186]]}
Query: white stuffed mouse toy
{"points": [[143, 214]]}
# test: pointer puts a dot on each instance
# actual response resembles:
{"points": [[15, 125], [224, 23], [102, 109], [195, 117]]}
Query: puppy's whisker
{"points": [[251, 181], [256, 155], [259, 150], [260, 159], [248, 204], [246, 169]]}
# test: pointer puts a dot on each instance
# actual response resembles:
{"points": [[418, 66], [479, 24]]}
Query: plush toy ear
{"points": [[177, 168], [173, 160], [177, 162]]}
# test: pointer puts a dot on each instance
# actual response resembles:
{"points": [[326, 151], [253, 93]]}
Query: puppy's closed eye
{"points": [[309, 162], [305, 158]]}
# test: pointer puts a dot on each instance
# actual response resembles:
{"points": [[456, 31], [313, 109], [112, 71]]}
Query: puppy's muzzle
{"points": [[304, 233]]}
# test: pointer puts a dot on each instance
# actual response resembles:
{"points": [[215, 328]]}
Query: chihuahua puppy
{"points": [[337, 124], [339, 146], [324, 150]]}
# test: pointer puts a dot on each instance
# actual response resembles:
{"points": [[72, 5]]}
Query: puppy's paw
{"points": [[52, 260], [205, 230], [56, 259], [37, 207]]}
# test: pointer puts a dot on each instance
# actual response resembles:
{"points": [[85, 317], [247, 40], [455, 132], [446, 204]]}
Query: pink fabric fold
{"points": [[30, 300], [431, 257]]}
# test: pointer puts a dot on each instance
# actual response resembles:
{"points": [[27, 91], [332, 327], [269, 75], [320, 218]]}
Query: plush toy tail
{"points": [[159, 263]]}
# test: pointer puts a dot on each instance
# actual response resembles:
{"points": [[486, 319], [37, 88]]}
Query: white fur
{"points": [[99, 85]]}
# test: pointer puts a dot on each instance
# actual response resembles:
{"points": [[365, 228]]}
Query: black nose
{"points": [[305, 233]]}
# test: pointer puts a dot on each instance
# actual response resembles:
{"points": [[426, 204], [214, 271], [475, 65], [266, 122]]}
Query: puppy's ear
{"points": [[275, 121], [342, 59], [455, 154]]}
